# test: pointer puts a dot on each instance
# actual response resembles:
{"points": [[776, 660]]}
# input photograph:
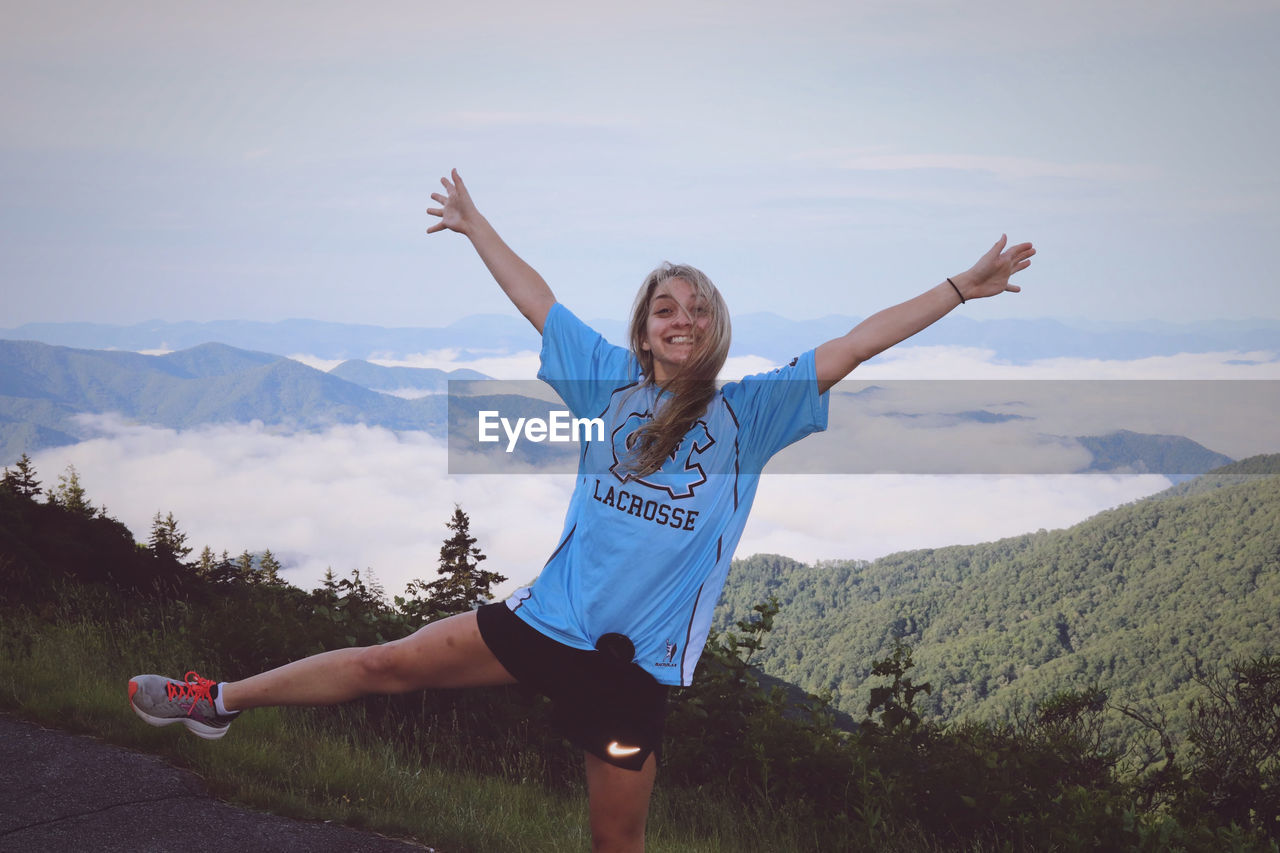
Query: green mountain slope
{"points": [[1129, 598]]}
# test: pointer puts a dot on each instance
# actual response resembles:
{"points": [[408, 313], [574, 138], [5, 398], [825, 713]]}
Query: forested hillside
{"points": [[1129, 599]]}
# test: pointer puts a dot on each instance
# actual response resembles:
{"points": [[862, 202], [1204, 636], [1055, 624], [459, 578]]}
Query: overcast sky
{"points": [[239, 160]]}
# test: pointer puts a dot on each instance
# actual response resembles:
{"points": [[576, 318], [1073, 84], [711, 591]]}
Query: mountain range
{"points": [[761, 334], [45, 389]]}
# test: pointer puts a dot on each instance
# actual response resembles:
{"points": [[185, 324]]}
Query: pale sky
{"points": [[235, 160]]}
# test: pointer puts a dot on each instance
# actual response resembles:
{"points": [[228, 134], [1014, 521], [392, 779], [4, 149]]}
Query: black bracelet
{"points": [[956, 289]]}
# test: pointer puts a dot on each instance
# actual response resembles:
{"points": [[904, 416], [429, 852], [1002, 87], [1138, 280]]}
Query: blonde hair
{"points": [[694, 384]]}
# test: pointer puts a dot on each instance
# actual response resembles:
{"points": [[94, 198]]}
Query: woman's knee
{"points": [[382, 667], [615, 836], [448, 653]]}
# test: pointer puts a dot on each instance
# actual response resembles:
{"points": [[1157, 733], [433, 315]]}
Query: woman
{"points": [[622, 608]]}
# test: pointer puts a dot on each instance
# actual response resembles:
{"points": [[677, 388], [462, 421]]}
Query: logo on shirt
{"points": [[670, 659], [680, 474]]}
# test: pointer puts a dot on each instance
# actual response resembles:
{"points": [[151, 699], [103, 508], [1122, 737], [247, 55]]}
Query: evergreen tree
{"points": [[463, 584], [207, 564], [70, 495], [167, 541], [22, 481], [244, 571], [224, 571], [270, 567]]}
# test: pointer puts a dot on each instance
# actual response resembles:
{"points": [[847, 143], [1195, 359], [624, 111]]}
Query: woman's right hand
{"points": [[524, 287], [457, 212]]}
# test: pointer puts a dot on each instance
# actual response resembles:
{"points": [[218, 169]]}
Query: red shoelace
{"points": [[194, 688]]}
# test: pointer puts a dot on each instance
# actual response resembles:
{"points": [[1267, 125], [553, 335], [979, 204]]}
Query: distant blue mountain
{"points": [[43, 388], [291, 337], [376, 377], [762, 334], [1172, 455]]}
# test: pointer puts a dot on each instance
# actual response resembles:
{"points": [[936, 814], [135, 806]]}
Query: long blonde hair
{"points": [[694, 384]]}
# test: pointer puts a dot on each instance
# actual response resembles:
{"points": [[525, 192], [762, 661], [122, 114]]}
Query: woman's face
{"points": [[677, 321]]}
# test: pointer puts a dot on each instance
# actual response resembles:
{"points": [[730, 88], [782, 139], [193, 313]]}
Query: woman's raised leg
{"points": [[447, 653]]}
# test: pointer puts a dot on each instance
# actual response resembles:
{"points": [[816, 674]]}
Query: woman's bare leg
{"points": [[619, 801], [448, 653]]}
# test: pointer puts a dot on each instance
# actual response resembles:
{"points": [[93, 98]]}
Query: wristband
{"points": [[956, 289]]}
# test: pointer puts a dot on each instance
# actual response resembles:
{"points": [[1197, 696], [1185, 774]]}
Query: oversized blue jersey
{"points": [[647, 556]]}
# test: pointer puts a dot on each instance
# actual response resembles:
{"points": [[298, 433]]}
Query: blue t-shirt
{"points": [[647, 557]]}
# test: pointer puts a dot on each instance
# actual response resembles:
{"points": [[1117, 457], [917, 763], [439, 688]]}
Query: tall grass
{"points": [[484, 775], [68, 667]]}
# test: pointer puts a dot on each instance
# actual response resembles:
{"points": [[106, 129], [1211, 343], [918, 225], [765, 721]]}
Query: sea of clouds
{"points": [[358, 497]]}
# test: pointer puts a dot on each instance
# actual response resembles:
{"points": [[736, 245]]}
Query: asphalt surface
{"points": [[69, 792]]}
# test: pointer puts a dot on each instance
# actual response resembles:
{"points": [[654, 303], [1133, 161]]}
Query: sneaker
{"points": [[162, 701]]}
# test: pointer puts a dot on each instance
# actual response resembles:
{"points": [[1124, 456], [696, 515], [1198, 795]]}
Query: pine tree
{"points": [[22, 481], [463, 584], [244, 570], [270, 567], [224, 571], [167, 541], [70, 495], [207, 565]]}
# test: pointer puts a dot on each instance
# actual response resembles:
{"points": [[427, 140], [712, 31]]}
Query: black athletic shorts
{"points": [[607, 706]]}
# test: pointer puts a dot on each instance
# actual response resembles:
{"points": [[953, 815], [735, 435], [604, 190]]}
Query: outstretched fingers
{"points": [[456, 210], [437, 211], [1021, 255], [445, 200], [1019, 259]]}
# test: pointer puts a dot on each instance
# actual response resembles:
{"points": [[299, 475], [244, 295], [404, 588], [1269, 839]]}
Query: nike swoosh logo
{"points": [[617, 750]]}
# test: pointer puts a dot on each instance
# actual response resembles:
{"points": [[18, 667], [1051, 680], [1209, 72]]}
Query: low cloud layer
{"points": [[360, 497], [521, 365], [951, 362], [907, 362]]}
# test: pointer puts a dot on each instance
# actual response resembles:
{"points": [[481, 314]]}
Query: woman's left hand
{"points": [[991, 274]]}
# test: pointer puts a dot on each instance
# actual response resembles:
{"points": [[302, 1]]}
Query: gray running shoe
{"points": [[162, 701]]}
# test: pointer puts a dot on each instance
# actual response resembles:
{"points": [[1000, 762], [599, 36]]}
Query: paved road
{"points": [[70, 792]]}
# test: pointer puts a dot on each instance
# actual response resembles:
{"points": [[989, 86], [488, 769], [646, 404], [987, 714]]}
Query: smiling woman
{"points": [[623, 607], [680, 335]]}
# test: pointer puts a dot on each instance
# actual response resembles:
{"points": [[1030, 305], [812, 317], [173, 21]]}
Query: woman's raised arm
{"points": [[989, 276], [523, 285]]}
